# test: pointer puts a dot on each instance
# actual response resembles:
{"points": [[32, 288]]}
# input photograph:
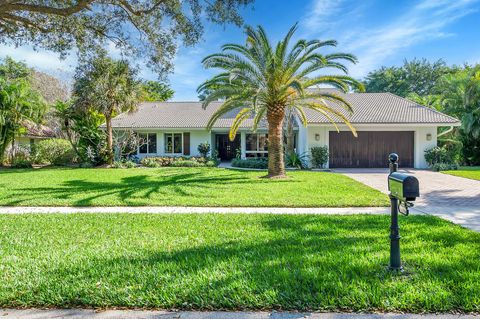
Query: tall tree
{"points": [[109, 87], [156, 91], [137, 28], [18, 103], [416, 76], [262, 80]]}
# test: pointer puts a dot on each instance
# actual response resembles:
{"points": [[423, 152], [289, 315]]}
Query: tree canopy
{"points": [[141, 28], [156, 91], [416, 76], [109, 87]]}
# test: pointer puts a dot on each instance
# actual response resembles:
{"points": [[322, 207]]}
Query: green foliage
{"points": [[319, 156], [18, 103], [204, 149], [21, 157], [136, 28], [55, 151], [437, 167], [417, 76], [177, 161], [258, 163], [441, 155], [108, 87], [153, 91], [124, 164], [296, 160], [265, 90]]}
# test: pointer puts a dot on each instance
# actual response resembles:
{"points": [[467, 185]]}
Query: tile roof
{"points": [[374, 108]]}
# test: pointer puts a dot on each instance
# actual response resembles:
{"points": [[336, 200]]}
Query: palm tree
{"points": [[109, 87], [262, 81], [18, 103]]}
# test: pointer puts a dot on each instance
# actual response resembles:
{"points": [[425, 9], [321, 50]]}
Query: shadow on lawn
{"points": [[302, 265], [131, 190]]}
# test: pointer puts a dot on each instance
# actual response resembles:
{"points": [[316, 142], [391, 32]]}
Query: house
{"points": [[33, 134], [385, 123]]}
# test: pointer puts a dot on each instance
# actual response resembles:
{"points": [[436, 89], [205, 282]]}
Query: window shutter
{"points": [[186, 143]]}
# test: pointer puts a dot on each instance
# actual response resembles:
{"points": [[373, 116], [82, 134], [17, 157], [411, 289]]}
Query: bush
{"points": [[124, 164], [296, 160], [442, 158], [181, 161], [55, 151], [21, 157], [319, 156], [260, 163], [204, 149]]}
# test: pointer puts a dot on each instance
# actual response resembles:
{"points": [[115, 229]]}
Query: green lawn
{"points": [[472, 172], [180, 187], [302, 262]]}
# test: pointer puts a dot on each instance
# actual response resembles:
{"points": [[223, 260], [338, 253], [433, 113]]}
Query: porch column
{"points": [[243, 145]]}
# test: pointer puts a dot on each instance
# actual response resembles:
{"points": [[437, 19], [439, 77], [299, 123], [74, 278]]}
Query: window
{"points": [[173, 143], [148, 143], [256, 145]]}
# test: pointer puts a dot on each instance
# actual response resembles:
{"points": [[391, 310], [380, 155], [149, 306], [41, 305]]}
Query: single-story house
{"points": [[33, 134], [385, 123]]}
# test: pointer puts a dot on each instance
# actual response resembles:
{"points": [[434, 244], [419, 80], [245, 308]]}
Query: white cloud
{"points": [[423, 22], [320, 13]]}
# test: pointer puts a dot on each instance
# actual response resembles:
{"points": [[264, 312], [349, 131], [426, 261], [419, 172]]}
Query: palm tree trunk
{"points": [[108, 121], [276, 162], [290, 134]]}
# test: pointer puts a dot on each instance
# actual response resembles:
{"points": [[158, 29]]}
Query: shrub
{"points": [[440, 158], [129, 164], [186, 163], [204, 149], [21, 157], [319, 156], [55, 151], [444, 167], [260, 163], [117, 164], [296, 160], [181, 161]]}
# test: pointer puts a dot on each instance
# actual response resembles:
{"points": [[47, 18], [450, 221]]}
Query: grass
{"points": [[472, 172], [301, 262], [181, 187]]}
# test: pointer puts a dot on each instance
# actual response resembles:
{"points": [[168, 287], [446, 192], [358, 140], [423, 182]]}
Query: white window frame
{"points": [[258, 144], [173, 146], [147, 143]]}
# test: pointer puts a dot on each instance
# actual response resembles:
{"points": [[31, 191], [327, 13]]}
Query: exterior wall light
{"points": [[317, 137], [429, 137]]}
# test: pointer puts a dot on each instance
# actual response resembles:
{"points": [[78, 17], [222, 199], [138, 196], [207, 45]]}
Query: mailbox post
{"points": [[404, 190], [395, 263]]}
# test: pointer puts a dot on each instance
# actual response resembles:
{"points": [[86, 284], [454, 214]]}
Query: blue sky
{"points": [[379, 32]]}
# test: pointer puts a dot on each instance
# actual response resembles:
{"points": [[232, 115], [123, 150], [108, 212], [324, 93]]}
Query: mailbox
{"points": [[402, 186]]}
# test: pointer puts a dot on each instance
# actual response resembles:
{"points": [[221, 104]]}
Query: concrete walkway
{"points": [[186, 210], [453, 198], [134, 314]]}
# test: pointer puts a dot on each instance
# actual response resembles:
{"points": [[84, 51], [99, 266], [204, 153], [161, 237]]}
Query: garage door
{"points": [[370, 148]]}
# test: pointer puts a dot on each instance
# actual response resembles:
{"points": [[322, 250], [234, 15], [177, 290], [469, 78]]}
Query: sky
{"points": [[378, 32]]}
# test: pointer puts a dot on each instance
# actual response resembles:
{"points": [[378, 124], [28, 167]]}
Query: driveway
{"points": [[453, 198]]}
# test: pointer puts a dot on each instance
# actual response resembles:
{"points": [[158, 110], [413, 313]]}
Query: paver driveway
{"points": [[453, 198]]}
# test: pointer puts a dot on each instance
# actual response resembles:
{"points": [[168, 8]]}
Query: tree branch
{"points": [[79, 6]]}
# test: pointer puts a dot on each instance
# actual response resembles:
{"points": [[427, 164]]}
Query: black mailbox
{"points": [[402, 186]]}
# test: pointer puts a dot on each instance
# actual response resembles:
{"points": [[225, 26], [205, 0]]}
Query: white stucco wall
{"points": [[196, 137], [420, 137]]}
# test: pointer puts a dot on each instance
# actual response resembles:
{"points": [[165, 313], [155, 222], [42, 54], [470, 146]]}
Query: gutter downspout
{"points": [[446, 132]]}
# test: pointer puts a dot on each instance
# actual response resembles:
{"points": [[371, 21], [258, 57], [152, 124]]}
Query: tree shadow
{"points": [[132, 190], [301, 265]]}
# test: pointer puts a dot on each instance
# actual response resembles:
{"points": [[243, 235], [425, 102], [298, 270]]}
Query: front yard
{"points": [[472, 172], [236, 262], [181, 187]]}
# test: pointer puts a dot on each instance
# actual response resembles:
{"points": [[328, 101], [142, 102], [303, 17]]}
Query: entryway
{"points": [[227, 150]]}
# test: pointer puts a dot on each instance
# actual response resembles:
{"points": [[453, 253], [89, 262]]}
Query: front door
{"points": [[227, 149]]}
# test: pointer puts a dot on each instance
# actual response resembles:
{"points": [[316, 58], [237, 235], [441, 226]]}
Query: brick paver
{"points": [[451, 197]]}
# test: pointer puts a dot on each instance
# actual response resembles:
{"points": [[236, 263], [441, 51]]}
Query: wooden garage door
{"points": [[370, 148]]}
